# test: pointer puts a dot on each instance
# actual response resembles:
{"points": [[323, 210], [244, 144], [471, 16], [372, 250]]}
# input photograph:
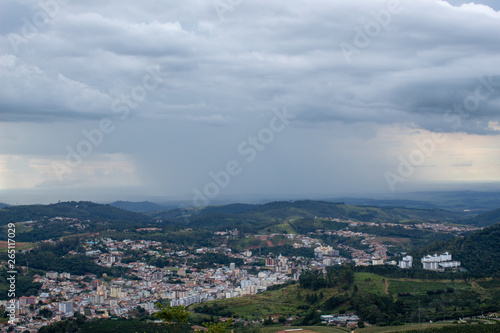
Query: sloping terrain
{"points": [[84, 210], [260, 216]]}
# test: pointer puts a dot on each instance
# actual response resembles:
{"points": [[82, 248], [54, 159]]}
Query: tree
{"points": [[361, 324], [176, 316], [45, 313], [217, 327], [268, 321]]}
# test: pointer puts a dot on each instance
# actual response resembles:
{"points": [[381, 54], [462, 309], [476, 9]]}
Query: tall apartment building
{"points": [[406, 262], [66, 308], [437, 262]]}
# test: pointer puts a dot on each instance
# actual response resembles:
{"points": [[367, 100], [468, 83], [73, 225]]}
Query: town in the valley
{"points": [[248, 271]]}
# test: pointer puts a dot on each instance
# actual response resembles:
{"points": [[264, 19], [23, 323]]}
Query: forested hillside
{"points": [[479, 252], [83, 210], [138, 207], [486, 219], [254, 217]]}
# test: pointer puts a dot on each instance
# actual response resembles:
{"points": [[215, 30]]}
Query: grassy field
{"points": [[172, 269], [253, 243], [318, 329], [276, 302], [491, 284], [285, 302], [403, 243], [21, 227], [408, 327], [280, 228], [262, 305], [371, 329], [416, 286], [429, 295], [19, 246], [369, 282]]}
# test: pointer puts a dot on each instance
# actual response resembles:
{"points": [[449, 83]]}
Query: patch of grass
{"points": [[250, 242], [261, 305], [305, 329], [19, 246], [404, 243], [370, 329], [369, 282], [283, 227], [285, 301], [404, 328], [421, 287], [491, 284], [172, 269], [21, 227]]}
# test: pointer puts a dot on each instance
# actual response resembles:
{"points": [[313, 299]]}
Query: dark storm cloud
{"points": [[422, 62], [361, 78]]}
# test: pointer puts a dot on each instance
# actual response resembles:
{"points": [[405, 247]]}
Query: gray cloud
{"points": [[223, 75], [420, 63]]}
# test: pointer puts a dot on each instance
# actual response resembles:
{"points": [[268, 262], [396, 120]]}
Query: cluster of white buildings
{"points": [[433, 262], [248, 285], [439, 262], [325, 251]]}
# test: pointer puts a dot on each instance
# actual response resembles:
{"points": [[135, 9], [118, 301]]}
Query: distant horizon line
{"points": [[260, 199]]}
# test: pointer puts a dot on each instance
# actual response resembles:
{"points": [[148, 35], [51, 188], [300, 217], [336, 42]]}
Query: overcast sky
{"points": [[204, 100]]}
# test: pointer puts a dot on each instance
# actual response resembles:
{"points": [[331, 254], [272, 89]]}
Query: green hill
{"points": [[255, 217], [485, 219], [138, 207], [83, 210], [479, 252], [376, 299], [41, 222]]}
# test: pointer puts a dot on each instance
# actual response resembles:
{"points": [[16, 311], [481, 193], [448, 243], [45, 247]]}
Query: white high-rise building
{"points": [[158, 276], [406, 262], [66, 308]]}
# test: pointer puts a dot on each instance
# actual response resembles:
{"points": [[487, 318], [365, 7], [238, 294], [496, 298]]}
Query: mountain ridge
{"points": [[70, 209], [139, 206], [254, 215], [486, 219]]}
